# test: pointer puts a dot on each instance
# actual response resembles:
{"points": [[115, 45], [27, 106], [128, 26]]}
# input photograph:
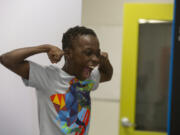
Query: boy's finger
{"points": [[105, 54], [61, 52]]}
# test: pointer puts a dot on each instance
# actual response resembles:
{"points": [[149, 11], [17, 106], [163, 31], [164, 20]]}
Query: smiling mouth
{"points": [[87, 71], [91, 67]]}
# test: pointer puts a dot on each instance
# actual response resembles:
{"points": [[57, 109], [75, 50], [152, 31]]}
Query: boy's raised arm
{"points": [[15, 60], [105, 68]]}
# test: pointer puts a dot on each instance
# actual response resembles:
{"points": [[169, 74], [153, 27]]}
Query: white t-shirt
{"points": [[63, 102]]}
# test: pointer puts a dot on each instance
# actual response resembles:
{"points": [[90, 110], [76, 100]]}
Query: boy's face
{"points": [[85, 55]]}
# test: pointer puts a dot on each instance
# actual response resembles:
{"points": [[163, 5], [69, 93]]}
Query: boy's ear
{"points": [[67, 53]]}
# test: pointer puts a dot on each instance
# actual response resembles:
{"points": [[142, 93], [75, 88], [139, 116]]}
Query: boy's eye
{"points": [[88, 52], [91, 52]]}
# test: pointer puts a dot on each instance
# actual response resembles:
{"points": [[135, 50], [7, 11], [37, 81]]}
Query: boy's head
{"points": [[71, 34], [82, 52]]}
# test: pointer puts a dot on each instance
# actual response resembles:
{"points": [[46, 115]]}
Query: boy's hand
{"points": [[105, 67], [55, 54], [104, 55], [103, 61]]}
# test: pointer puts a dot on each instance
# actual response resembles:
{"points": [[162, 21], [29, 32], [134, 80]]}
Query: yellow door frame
{"points": [[132, 13]]}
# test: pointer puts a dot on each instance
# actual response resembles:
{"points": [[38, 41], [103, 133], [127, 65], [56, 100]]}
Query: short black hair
{"points": [[72, 33]]}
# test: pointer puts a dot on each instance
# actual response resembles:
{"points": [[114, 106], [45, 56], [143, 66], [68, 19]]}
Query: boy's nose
{"points": [[95, 60]]}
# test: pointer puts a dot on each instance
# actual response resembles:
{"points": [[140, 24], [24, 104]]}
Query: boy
{"points": [[63, 94]]}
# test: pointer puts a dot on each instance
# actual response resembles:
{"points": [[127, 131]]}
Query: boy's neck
{"points": [[67, 69]]}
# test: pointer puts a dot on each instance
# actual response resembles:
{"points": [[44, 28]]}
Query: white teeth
{"points": [[92, 67]]}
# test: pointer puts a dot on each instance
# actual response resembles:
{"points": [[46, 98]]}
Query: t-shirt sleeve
{"points": [[95, 76], [38, 76]]}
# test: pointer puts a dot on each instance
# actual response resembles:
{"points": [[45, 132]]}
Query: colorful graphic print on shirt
{"points": [[73, 108]]}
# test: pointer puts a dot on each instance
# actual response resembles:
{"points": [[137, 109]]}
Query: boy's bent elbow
{"points": [[0, 58], [22, 69], [4, 60]]}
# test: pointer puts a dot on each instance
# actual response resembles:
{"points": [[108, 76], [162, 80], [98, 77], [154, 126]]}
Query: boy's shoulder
{"points": [[53, 67]]}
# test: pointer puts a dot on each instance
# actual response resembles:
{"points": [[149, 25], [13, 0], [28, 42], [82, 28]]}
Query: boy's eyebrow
{"points": [[99, 50]]}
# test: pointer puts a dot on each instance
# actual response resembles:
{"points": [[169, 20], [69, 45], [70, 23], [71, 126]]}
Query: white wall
{"points": [[106, 18], [28, 23]]}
